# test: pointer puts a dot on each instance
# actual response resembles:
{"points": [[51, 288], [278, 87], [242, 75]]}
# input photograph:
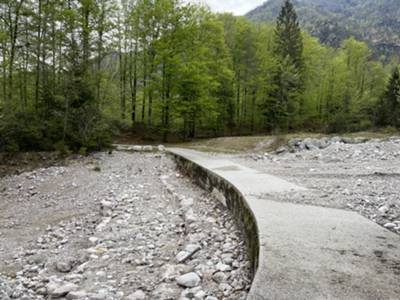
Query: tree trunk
{"points": [[38, 53], [253, 108], [13, 34], [144, 84], [150, 109], [133, 81], [122, 86]]}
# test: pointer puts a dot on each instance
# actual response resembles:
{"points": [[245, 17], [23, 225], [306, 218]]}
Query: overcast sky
{"points": [[237, 7]]}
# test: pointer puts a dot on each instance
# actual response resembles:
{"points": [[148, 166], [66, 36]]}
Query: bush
{"points": [[86, 130], [62, 148], [22, 131]]}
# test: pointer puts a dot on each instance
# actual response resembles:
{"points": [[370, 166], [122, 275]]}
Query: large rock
{"points": [[311, 144], [58, 290], [189, 280]]}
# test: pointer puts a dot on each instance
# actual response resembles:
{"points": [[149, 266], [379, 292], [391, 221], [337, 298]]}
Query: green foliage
{"points": [[77, 71], [21, 131], [284, 100], [61, 148], [333, 21], [288, 40], [389, 110]]}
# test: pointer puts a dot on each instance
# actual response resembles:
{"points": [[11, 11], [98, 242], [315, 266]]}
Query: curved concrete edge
{"points": [[299, 251], [235, 201]]}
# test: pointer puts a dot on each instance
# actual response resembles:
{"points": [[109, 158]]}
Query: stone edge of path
{"points": [[233, 198], [138, 148]]}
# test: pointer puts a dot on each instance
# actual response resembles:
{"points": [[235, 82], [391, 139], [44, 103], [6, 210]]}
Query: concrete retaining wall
{"points": [[235, 202]]}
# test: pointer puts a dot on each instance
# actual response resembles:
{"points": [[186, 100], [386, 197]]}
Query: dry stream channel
{"points": [[130, 226], [119, 226]]}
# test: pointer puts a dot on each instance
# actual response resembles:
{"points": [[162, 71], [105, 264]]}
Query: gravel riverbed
{"points": [[356, 174], [119, 226]]}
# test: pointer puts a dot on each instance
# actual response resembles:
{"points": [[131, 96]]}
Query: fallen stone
{"points": [[138, 295], [200, 295], [148, 148], [223, 267], [137, 148], [56, 290], [64, 266], [189, 251], [76, 295], [383, 209], [219, 277], [390, 225], [189, 280]]}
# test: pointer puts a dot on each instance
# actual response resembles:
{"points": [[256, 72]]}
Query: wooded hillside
{"points": [[376, 22]]}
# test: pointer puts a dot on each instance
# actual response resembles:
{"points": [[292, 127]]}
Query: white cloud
{"points": [[237, 7]]}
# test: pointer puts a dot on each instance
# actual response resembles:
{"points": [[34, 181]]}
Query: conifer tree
{"points": [[285, 100], [288, 38], [390, 105]]}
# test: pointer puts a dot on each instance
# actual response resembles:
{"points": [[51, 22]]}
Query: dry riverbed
{"points": [[119, 226], [347, 173]]}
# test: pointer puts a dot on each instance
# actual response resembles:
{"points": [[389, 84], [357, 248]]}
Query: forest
{"points": [[374, 21], [76, 72]]}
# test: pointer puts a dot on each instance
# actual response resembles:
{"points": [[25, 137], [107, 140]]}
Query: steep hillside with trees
{"points": [[374, 21]]}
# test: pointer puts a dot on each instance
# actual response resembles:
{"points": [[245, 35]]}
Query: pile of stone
{"points": [[297, 144], [139, 148]]}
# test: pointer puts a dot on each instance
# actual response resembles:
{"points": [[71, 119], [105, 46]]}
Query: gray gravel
{"points": [[355, 174], [120, 226]]}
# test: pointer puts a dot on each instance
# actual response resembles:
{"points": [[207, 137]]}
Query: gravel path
{"points": [[120, 226], [349, 174]]}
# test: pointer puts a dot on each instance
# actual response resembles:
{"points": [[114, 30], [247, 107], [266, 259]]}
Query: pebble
{"points": [[76, 295], [189, 280], [383, 209], [390, 225], [189, 251], [138, 295], [148, 148], [223, 267], [64, 267], [60, 290], [219, 277]]}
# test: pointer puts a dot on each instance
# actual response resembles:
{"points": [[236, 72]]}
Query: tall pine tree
{"points": [[288, 38], [284, 102], [390, 104]]}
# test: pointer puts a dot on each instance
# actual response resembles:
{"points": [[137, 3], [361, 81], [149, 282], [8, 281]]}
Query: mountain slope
{"points": [[374, 21]]}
